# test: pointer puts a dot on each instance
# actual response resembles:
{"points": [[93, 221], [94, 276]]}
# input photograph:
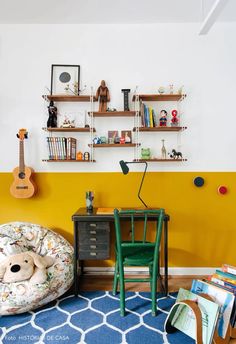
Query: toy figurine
{"points": [[161, 90], [171, 86], [175, 154], [163, 150], [97, 140], [145, 153], [103, 96], [79, 156], [86, 156], [52, 119], [67, 123], [174, 119], [163, 118], [122, 140]]}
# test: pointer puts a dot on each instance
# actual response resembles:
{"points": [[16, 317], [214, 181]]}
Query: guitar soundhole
{"points": [[21, 175]]}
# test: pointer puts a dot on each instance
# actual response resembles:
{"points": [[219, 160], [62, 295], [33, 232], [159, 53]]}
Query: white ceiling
{"points": [[110, 11]]}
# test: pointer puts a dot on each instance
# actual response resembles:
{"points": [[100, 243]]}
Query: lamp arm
{"points": [[141, 184]]}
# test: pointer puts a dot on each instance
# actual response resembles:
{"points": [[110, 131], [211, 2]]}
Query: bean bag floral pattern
{"points": [[17, 237]]}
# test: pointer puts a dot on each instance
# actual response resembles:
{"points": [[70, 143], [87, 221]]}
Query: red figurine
{"points": [[174, 119], [163, 118]]}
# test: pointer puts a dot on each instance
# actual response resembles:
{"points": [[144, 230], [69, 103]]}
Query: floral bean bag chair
{"points": [[17, 237]]}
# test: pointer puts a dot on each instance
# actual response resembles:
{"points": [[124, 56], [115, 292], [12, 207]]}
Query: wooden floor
{"points": [[90, 282]]}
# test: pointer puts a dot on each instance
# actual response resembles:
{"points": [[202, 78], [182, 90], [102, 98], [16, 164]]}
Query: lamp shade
{"points": [[124, 167]]}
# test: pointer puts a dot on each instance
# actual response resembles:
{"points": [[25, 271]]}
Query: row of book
{"points": [[148, 116], [61, 148], [220, 312]]}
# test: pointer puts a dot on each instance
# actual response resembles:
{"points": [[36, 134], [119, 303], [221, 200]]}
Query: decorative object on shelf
{"points": [[180, 90], [112, 134], [86, 156], [174, 119], [163, 150], [103, 139], [64, 78], [126, 92], [103, 95], [79, 156], [161, 90], [175, 154], [22, 186], [163, 118], [97, 140], [68, 123], [171, 86], [117, 140], [111, 109], [89, 201], [222, 189], [125, 170], [122, 140], [145, 153], [52, 112], [198, 181], [127, 135]]}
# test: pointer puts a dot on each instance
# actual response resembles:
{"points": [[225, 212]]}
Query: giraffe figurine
{"points": [[163, 150]]}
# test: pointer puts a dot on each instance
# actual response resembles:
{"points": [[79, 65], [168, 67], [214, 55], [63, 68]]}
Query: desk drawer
{"points": [[89, 255], [93, 225]]}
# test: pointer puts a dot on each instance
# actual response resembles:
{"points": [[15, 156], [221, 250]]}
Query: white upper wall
{"points": [[149, 56]]}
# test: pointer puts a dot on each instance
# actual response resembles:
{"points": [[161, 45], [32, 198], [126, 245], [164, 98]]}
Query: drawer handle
{"points": [[92, 232], [93, 239], [93, 253], [93, 246], [93, 225]]}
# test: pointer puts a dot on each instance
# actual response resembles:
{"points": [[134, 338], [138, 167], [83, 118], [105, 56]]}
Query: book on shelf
{"points": [[224, 298], [184, 319], [229, 268], [61, 148]]}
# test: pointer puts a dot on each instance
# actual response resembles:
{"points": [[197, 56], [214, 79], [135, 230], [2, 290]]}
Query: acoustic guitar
{"points": [[22, 187]]}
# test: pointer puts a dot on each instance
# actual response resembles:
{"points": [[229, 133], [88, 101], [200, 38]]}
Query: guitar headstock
{"points": [[22, 134]]}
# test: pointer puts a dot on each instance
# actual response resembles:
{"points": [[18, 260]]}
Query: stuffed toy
{"points": [[25, 266]]}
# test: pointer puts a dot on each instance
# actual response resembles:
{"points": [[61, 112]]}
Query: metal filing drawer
{"points": [[94, 240]]}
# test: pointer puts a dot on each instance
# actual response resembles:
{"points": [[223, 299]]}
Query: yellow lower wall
{"points": [[202, 227]]}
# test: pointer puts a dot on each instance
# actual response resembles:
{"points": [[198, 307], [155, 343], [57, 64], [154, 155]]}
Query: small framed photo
{"points": [[112, 136], [127, 135], [65, 79]]}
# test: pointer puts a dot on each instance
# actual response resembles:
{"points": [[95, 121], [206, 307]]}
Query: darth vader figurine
{"points": [[52, 112]]}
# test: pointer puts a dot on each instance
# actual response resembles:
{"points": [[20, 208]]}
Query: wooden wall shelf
{"points": [[113, 114], [160, 128], [79, 130], [160, 97], [160, 160], [69, 98], [54, 160], [112, 145]]}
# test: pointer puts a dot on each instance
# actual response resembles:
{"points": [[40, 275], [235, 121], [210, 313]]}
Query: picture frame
{"points": [[65, 79], [127, 135], [112, 135]]}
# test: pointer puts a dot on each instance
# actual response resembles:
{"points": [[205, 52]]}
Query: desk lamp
{"points": [[125, 170]]}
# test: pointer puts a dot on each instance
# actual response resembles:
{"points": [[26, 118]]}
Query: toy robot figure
{"points": [[52, 112], [163, 118], [103, 96], [174, 119]]}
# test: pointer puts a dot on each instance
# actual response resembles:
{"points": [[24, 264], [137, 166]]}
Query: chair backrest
{"points": [[146, 216]]}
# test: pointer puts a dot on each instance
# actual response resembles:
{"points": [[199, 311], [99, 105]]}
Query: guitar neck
{"points": [[21, 157]]}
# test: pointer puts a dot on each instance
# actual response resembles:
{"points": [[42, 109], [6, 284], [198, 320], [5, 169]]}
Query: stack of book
{"points": [[61, 148], [148, 116]]}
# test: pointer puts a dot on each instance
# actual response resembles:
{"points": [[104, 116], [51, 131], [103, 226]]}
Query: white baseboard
{"points": [[141, 270]]}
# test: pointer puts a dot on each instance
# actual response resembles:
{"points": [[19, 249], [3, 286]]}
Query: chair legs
{"points": [[122, 290], [154, 291], [115, 281]]}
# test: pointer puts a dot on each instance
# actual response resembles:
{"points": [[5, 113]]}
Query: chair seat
{"points": [[137, 256]]}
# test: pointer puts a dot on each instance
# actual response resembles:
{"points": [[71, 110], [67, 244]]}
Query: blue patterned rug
{"points": [[93, 318]]}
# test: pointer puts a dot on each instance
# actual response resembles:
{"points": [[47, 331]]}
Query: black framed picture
{"points": [[65, 79]]}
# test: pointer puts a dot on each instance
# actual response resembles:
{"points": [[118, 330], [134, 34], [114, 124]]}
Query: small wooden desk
{"points": [[91, 240]]}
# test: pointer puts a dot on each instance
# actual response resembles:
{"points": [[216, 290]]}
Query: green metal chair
{"points": [[138, 252]]}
